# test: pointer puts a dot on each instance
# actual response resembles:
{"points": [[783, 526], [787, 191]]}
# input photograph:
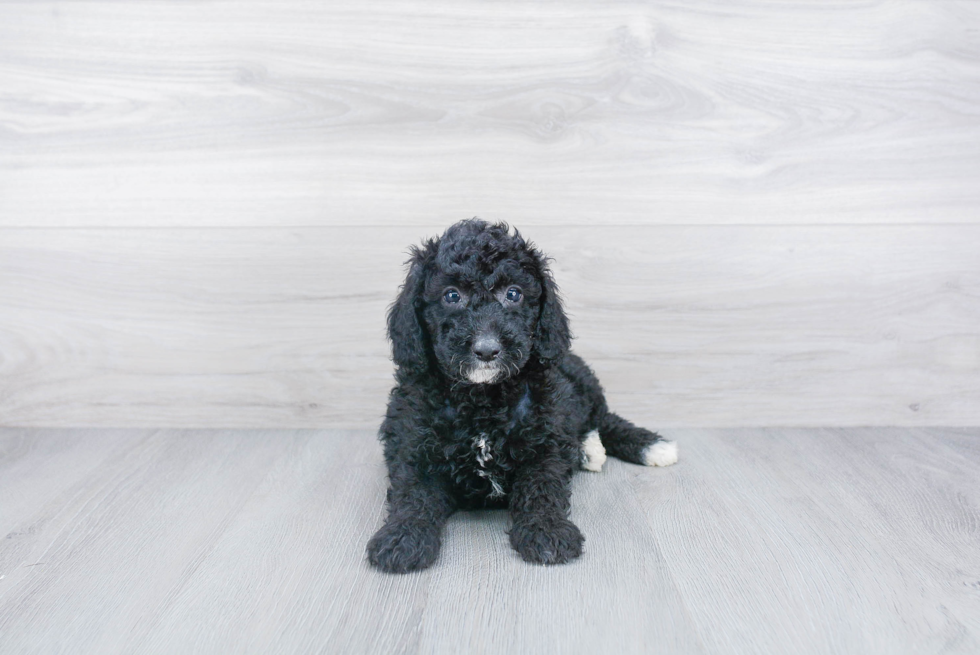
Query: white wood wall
{"points": [[761, 212]]}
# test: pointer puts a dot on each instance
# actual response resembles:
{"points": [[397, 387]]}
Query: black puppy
{"points": [[490, 408]]}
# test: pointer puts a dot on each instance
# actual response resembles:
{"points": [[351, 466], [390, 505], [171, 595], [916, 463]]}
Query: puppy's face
{"points": [[481, 319], [478, 303]]}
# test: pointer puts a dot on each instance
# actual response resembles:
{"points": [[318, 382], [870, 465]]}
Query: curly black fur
{"points": [[490, 408]]}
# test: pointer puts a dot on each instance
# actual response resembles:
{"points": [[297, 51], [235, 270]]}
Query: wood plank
{"points": [[758, 540], [856, 540], [100, 561], [686, 326], [55, 462], [279, 114]]}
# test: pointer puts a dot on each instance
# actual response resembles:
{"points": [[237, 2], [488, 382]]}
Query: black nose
{"points": [[486, 348]]}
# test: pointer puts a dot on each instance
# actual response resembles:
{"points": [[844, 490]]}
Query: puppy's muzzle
{"points": [[486, 355], [486, 349]]}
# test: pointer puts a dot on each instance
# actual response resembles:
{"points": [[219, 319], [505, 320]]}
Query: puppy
{"points": [[490, 409]]}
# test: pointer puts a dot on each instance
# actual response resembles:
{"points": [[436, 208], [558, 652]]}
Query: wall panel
{"points": [[552, 113], [737, 325]]}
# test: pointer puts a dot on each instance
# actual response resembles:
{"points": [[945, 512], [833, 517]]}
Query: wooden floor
{"points": [[758, 540]]}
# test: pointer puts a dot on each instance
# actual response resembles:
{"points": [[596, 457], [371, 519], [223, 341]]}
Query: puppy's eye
{"points": [[451, 296], [514, 294]]}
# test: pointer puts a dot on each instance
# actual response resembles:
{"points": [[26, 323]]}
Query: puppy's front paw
{"points": [[547, 540], [404, 546]]}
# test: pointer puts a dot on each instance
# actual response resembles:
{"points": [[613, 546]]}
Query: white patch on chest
{"points": [[483, 455], [593, 452]]}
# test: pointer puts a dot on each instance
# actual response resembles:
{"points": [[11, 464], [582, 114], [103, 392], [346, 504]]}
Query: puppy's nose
{"points": [[486, 348]]}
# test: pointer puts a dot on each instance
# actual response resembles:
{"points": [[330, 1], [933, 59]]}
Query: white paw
{"points": [[593, 452], [660, 453]]}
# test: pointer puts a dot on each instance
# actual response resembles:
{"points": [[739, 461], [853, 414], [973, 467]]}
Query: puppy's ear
{"points": [[552, 337], [405, 329]]}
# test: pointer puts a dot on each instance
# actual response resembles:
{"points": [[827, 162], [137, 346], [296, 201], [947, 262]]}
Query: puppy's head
{"points": [[478, 304]]}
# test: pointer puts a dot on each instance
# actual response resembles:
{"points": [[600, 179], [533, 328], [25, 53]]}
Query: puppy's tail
{"points": [[634, 444]]}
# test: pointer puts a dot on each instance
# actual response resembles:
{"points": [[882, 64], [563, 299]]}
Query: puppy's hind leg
{"points": [[632, 443]]}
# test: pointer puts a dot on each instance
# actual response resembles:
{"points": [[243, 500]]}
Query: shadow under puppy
{"points": [[490, 409]]}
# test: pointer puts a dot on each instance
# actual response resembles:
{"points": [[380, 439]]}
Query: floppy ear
{"points": [[551, 336], [408, 336]]}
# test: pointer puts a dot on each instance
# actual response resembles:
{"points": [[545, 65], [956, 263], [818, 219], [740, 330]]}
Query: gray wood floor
{"points": [[758, 540]]}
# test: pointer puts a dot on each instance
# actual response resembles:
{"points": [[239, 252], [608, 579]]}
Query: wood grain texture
{"points": [[777, 512], [319, 114], [762, 541], [734, 325]]}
